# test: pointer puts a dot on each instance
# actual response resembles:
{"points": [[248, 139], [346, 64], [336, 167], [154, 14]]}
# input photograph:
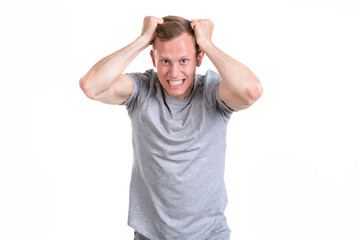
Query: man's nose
{"points": [[174, 71]]}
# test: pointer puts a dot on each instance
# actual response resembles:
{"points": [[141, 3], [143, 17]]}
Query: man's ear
{"points": [[153, 58], [199, 59]]}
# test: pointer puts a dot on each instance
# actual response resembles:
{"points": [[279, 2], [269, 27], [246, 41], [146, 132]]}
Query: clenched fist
{"points": [[149, 27], [203, 29]]}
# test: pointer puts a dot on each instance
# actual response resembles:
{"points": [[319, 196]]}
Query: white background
{"points": [[293, 158]]}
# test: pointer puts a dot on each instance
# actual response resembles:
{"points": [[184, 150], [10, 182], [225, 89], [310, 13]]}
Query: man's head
{"points": [[175, 54]]}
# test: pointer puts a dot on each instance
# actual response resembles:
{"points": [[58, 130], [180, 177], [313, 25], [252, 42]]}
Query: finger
{"points": [[160, 21], [193, 25], [194, 21], [153, 19]]}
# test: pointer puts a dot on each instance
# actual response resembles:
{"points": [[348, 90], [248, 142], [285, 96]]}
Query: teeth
{"points": [[174, 83]]}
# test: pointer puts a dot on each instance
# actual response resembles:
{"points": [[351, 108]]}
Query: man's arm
{"points": [[240, 88], [104, 81]]}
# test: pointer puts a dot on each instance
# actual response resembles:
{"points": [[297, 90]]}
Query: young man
{"points": [[179, 121]]}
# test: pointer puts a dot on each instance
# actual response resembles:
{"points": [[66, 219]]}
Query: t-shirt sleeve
{"points": [[213, 81], [141, 82], [220, 104]]}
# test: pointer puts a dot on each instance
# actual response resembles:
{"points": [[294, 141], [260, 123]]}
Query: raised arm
{"points": [[105, 81], [240, 88]]}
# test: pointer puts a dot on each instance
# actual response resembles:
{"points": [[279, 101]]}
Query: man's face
{"points": [[176, 62]]}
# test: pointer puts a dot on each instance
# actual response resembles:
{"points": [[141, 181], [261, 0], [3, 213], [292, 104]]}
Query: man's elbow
{"points": [[85, 87], [248, 96], [255, 93]]}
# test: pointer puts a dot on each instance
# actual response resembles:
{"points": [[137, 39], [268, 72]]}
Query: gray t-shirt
{"points": [[177, 189]]}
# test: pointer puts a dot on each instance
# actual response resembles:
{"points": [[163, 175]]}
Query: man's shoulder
{"points": [[150, 73], [210, 78], [213, 73], [143, 80]]}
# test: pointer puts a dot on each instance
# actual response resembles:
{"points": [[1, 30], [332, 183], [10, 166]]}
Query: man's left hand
{"points": [[203, 31]]}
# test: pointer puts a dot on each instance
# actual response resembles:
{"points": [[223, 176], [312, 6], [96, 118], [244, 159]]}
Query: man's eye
{"points": [[183, 61], [165, 61]]}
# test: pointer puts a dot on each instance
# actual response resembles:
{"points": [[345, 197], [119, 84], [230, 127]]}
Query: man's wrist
{"points": [[206, 45], [143, 41]]}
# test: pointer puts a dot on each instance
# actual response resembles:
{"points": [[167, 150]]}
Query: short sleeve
{"points": [[213, 79], [141, 82]]}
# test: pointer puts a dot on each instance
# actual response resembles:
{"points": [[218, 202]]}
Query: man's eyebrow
{"points": [[182, 57]]}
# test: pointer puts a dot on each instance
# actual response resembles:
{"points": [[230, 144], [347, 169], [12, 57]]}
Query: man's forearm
{"points": [[105, 72], [237, 77]]}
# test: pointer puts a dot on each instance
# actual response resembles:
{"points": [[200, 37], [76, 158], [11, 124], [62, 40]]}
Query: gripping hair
{"points": [[173, 27]]}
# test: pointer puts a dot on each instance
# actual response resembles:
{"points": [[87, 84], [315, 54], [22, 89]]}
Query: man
{"points": [[179, 121]]}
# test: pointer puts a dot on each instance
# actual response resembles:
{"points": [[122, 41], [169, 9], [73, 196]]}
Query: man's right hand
{"points": [[149, 27]]}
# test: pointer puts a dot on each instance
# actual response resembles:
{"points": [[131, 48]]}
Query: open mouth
{"points": [[175, 83]]}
